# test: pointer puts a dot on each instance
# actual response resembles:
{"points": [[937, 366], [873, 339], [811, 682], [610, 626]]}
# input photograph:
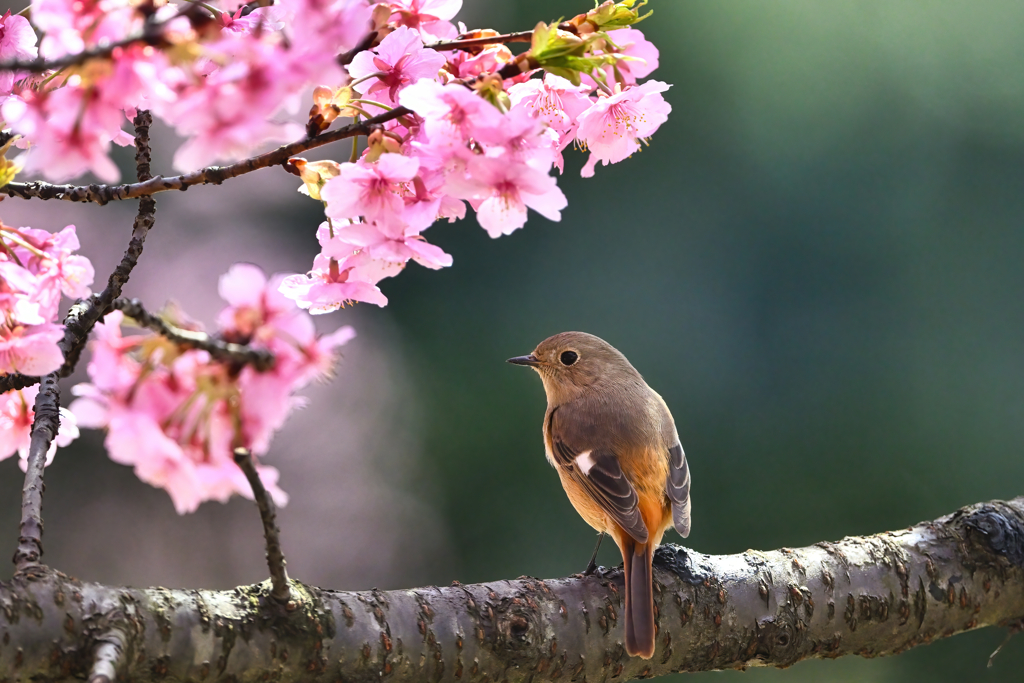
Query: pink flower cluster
{"points": [[486, 129], [36, 267], [176, 415], [16, 417], [463, 145], [225, 99]]}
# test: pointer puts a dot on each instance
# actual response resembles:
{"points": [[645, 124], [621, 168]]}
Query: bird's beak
{"points": [[530, 360]]}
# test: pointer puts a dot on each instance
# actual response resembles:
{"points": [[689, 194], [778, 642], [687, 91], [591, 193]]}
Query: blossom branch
{"points": [[44, 430], [271, 533], [345, 58], [871, 596], [151, 34], [470, 43], [211, 175], [83, 315], [223, 351]]}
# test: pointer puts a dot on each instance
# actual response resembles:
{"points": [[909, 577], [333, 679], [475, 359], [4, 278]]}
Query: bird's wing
{"points": [[678, 489], [597, 470]]}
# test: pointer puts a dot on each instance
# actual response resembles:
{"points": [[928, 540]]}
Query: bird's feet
{"points": [[592, 566]]}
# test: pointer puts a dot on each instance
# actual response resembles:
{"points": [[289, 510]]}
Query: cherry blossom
{"points": [[391, 243], [176, 415], [17, 41], [371, 190], [334, 283], [35, 268], [556, 102], [16, 417], [451, 113], [231, 80], [398, 61], [429, 17], [501, 192], [613, 127], [642, 54]]}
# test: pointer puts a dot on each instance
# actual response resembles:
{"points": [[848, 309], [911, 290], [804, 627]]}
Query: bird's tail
{"points": [[639, 599]]}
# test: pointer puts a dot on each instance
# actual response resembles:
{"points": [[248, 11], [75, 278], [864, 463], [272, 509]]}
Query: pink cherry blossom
{"points": [[257, 311], [501, 192], [261, 19], [228, 113], [402, 60], [428, 17], [333, 284], [175, 415], [613, 127], [556, 102], [318, 30], [56, 268], [69, 26], [35, 267], [487, 61], [371, 190], [641, 53], [392, 243], [30, 349], [450, 111], [520, 138], [17, 39], [16, 417], [69, 136]]}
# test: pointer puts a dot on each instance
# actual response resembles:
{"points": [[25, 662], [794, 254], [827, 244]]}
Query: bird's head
{"points": [[571, 363]]}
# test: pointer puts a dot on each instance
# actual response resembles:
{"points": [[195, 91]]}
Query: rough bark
{"points": [[875, 595]]}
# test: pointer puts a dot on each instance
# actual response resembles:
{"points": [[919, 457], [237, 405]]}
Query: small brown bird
{"points": [[614, 443]]}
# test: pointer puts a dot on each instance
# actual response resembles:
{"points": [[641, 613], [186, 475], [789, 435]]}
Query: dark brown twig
{"points": [[345, 58], [275, 557], [83, 315], [223, 351], [469, 43], [29, 554], [211, 175]]}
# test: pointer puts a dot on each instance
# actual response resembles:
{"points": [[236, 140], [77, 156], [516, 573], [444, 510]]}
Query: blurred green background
{"points": [[817, 262]]}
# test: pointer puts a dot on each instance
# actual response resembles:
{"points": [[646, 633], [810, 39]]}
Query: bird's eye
{"points": [[568, 357]]}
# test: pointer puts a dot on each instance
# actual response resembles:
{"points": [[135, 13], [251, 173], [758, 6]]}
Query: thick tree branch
{"points": [[223, 351], [875, 595], [215, 175]]}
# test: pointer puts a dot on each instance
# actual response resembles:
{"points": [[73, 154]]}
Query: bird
{"points": [[615, 447]]}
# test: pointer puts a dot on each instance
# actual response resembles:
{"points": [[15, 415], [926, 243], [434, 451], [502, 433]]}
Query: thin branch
{"points": [[211, 175], [345, 58], [870, 596], [109, 656], [471, 43], [271, 533], [83, 315], [151, 34], [226, 352], [29, 554]]}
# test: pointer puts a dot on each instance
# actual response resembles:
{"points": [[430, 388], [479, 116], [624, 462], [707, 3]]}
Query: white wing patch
{"points": [[584, 462]]}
